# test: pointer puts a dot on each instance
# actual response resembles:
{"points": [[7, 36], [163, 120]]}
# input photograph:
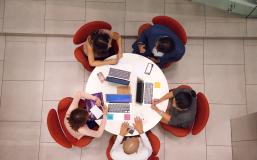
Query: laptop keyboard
{"points": [[119, 107], [119, 73], [148, 93]]}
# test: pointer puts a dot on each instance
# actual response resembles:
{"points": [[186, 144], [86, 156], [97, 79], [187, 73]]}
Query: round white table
{"points": [[138, 64]]}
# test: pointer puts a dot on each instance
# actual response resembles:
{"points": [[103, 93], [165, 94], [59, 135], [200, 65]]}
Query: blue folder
{"points": [[118, 98]]}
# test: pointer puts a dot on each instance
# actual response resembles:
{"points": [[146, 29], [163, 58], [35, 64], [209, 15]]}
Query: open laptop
{"points": [[118, 111], [119, 76], [146, 91]]}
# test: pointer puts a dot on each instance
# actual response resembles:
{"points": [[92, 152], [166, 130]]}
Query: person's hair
{"points": [[78, 118], [165, 45], [184, 99], [100, 41], [131, 145]]}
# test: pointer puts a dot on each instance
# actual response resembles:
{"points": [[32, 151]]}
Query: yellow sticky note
{"points": [[157, 85]]}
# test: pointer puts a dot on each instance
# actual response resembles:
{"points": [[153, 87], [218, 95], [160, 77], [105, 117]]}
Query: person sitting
{"points": [[182, 108], [76, 119], [98, 47], [131, 148], [160, 44]]}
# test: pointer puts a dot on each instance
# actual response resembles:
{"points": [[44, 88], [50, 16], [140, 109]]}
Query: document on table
{"points": [[96, 112]]}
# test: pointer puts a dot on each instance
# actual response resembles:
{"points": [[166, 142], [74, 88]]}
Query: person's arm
{"points": [[93, 62], [146, 144], [165, 116], [163, 98]]}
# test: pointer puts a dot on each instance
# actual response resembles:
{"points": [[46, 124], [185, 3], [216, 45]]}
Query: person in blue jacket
{"points": [[160, 44]]}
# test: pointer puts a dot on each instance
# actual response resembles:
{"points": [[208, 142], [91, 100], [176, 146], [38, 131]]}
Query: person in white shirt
{"points": [[132, 148]]}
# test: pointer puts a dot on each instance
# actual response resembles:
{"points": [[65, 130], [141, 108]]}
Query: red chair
{"points": [[172, 24], [62, 109], [154, 140], [201, 117], [202, 114], [56, 130], [81, 36]]}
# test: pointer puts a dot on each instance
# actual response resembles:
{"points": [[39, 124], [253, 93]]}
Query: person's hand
{"points": [[105, 109], [114, 61], [141, 48], [98, 102], [156, 101], [153, 106], [138, 125], [124, 128], [120, 55]]}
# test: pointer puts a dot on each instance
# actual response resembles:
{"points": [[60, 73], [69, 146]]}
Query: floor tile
{"points": [[65, 9], [45, 135], [251, 27], [217, 15], [224, 80], [190, 15], [250, 42], [221, 29], [60, 49], [101, 142], [218, 130], [128, 44], [159, 132], [143, 10], [87, 74], [131, 28], [62, 27], [182, 71], [21, 100], [24, 61], [19, 140], [62, 79], [1, 24], [1, 73], [105, 0], [2, 47], [53, 151], [250, 64], [161, 153], [1, 8], [251, 92], [227, 51], [197, 87], [219, 152], [29, 20], [193, 146], [94, 152], [244, 150], [195, 41], [107, 12]]}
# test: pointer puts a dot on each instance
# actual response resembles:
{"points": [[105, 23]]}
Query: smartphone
{"points": [[101, 77], [148, 68]]}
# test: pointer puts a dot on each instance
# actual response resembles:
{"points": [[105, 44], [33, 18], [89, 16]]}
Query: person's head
{"points": [[100, 41], [131, 145], [78, 118], [183, 100], [164, 45]]}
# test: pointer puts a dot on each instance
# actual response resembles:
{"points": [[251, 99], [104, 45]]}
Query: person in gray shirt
{"points": [[181, 110]]}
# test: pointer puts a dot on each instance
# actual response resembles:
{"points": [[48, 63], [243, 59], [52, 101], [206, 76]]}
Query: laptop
{"points": [[118, 111], [118, 76], [146, 91]]}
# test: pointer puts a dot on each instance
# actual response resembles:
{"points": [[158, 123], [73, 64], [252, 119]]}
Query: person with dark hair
{"points": [[98, 47], [131, 148], [76, 119], [181, 110], [160, 44]]}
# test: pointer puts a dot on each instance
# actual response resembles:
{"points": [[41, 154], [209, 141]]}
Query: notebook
{"points": [[90, 106]]}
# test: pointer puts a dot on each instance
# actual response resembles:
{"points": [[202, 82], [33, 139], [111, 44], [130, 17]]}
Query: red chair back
{"points": [[202, 114], [56, 130], [173, 24], [84, 31], [178, 132], [62, 109]]}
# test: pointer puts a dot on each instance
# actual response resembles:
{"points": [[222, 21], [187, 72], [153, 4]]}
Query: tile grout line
{"points": [[42, 107], [245, 78], [3, 71], [45, 18], [3, 17], [205, 136]]}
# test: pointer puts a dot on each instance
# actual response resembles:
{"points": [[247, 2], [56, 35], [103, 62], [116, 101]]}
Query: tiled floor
{"points": [[37, 71]]}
